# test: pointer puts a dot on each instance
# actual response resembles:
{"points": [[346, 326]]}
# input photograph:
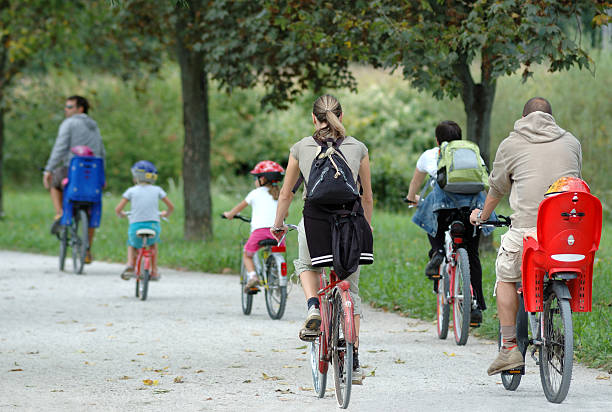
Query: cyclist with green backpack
{"points": [[458, 178]]}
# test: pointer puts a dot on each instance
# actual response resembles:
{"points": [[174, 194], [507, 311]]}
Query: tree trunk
{"points": [[196, 149], [478, 104], [1, 156]]}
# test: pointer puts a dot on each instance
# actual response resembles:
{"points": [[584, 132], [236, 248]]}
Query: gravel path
{"points": [[79, 343]]}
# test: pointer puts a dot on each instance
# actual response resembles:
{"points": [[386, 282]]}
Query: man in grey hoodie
{"points": [[535, 154], [77, 129]]}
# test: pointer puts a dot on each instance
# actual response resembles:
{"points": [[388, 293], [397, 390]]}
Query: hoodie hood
{"points": [[538, 127], [88, 121]]}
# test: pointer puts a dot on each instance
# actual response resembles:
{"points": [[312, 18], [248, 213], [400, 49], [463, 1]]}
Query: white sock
{"points": [[251, 275]]}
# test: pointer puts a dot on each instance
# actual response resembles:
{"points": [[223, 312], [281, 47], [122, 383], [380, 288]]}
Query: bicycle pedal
{"points": [[434, 277], [253, 291], [475, 324], [515, 371]]}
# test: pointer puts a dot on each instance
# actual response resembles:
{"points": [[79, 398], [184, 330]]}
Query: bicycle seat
{"points": [[267, 242], [145, 232]]}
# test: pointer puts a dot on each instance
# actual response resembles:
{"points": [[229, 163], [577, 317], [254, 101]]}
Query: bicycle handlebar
{"points": [[502, 221], [239, 217]]}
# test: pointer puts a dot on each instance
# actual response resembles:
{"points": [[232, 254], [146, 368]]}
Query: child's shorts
{"points": [[252, 245], [135, 241]]}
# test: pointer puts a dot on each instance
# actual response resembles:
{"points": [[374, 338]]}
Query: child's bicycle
{"points": [[453, 283], [271, 269], [82, 202], [557, 276], [146, 254], [335, 341]]}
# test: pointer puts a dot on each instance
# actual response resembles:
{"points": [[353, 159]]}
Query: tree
{"points": [[437, 44], [28, 30], [240, 44]]}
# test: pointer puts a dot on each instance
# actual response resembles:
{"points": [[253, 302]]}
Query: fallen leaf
{"points": [[82, 351], [236, 366], [399, 361], [109, 324], [164, 356], [290, 366], [158, 391], [450, 354], [278, 350], [90, 330], [373, 373], [284, 391], [16, 370], [140, 354], [603, 378], [178, 379], [32, 353], [185, 367], [305, 389], [255, 334], [272, 378], [209, 399], [150, 382], [302, 347], [57, 390], [249, 350], [124, 378], [246, 381], [200, 371]]}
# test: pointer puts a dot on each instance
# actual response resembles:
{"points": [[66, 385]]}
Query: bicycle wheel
{"points": [[144, 283], [319, 379], [276, 295], [64, 239], [80, 241], [247, 300], [342, 355], [557, 350], [442, 307], [462, 298], [512, 381]]}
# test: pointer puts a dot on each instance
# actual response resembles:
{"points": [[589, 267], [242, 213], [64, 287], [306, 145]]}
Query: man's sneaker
{"points": [[127, 273], [432, 270], [55, 227], [507, 359], [357, 378], [475, 317], [251, 284]]}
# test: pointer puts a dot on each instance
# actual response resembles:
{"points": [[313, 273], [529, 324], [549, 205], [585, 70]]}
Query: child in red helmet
{"points": [[263, 200]]}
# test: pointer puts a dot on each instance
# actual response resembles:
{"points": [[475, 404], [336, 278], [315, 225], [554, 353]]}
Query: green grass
{"points": [[395, 282]]}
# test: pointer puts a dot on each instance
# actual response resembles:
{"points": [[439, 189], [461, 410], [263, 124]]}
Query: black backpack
{"points": [[330, 181]]}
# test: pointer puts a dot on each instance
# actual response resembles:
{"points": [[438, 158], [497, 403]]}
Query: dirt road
{"points": [[77, 343]]}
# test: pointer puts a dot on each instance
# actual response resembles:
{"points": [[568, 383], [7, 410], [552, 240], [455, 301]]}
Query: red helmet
{"points": [[82, 151], [268, 169], [567, 184]]}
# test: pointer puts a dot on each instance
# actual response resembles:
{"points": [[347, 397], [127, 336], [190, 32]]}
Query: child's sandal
{"points": [[127, 273]]}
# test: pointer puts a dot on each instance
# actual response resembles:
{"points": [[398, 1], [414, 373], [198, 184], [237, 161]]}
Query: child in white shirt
{"points": [[263, 200]]}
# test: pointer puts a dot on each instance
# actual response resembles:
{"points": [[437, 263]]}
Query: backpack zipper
{"points": [[353, 189], [325, 170]]}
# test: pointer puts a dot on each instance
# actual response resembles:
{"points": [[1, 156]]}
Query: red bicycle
{"points": [[336, 338]]}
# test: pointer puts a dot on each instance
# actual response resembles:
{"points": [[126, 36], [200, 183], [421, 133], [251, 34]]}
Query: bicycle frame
{"points": [[147, 253], [326, 295]]}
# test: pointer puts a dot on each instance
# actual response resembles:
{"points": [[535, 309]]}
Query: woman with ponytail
{"points": [[327, 119]]}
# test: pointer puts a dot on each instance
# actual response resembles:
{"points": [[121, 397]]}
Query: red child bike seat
{"points": [[568, 235]]}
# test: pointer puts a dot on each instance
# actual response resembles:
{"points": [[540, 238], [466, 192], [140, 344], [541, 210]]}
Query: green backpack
{"points": [[460, 168]]}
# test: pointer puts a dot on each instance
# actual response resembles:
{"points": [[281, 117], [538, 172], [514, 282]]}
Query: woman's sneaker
{"points": [[357, 378], [310, 330]]}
